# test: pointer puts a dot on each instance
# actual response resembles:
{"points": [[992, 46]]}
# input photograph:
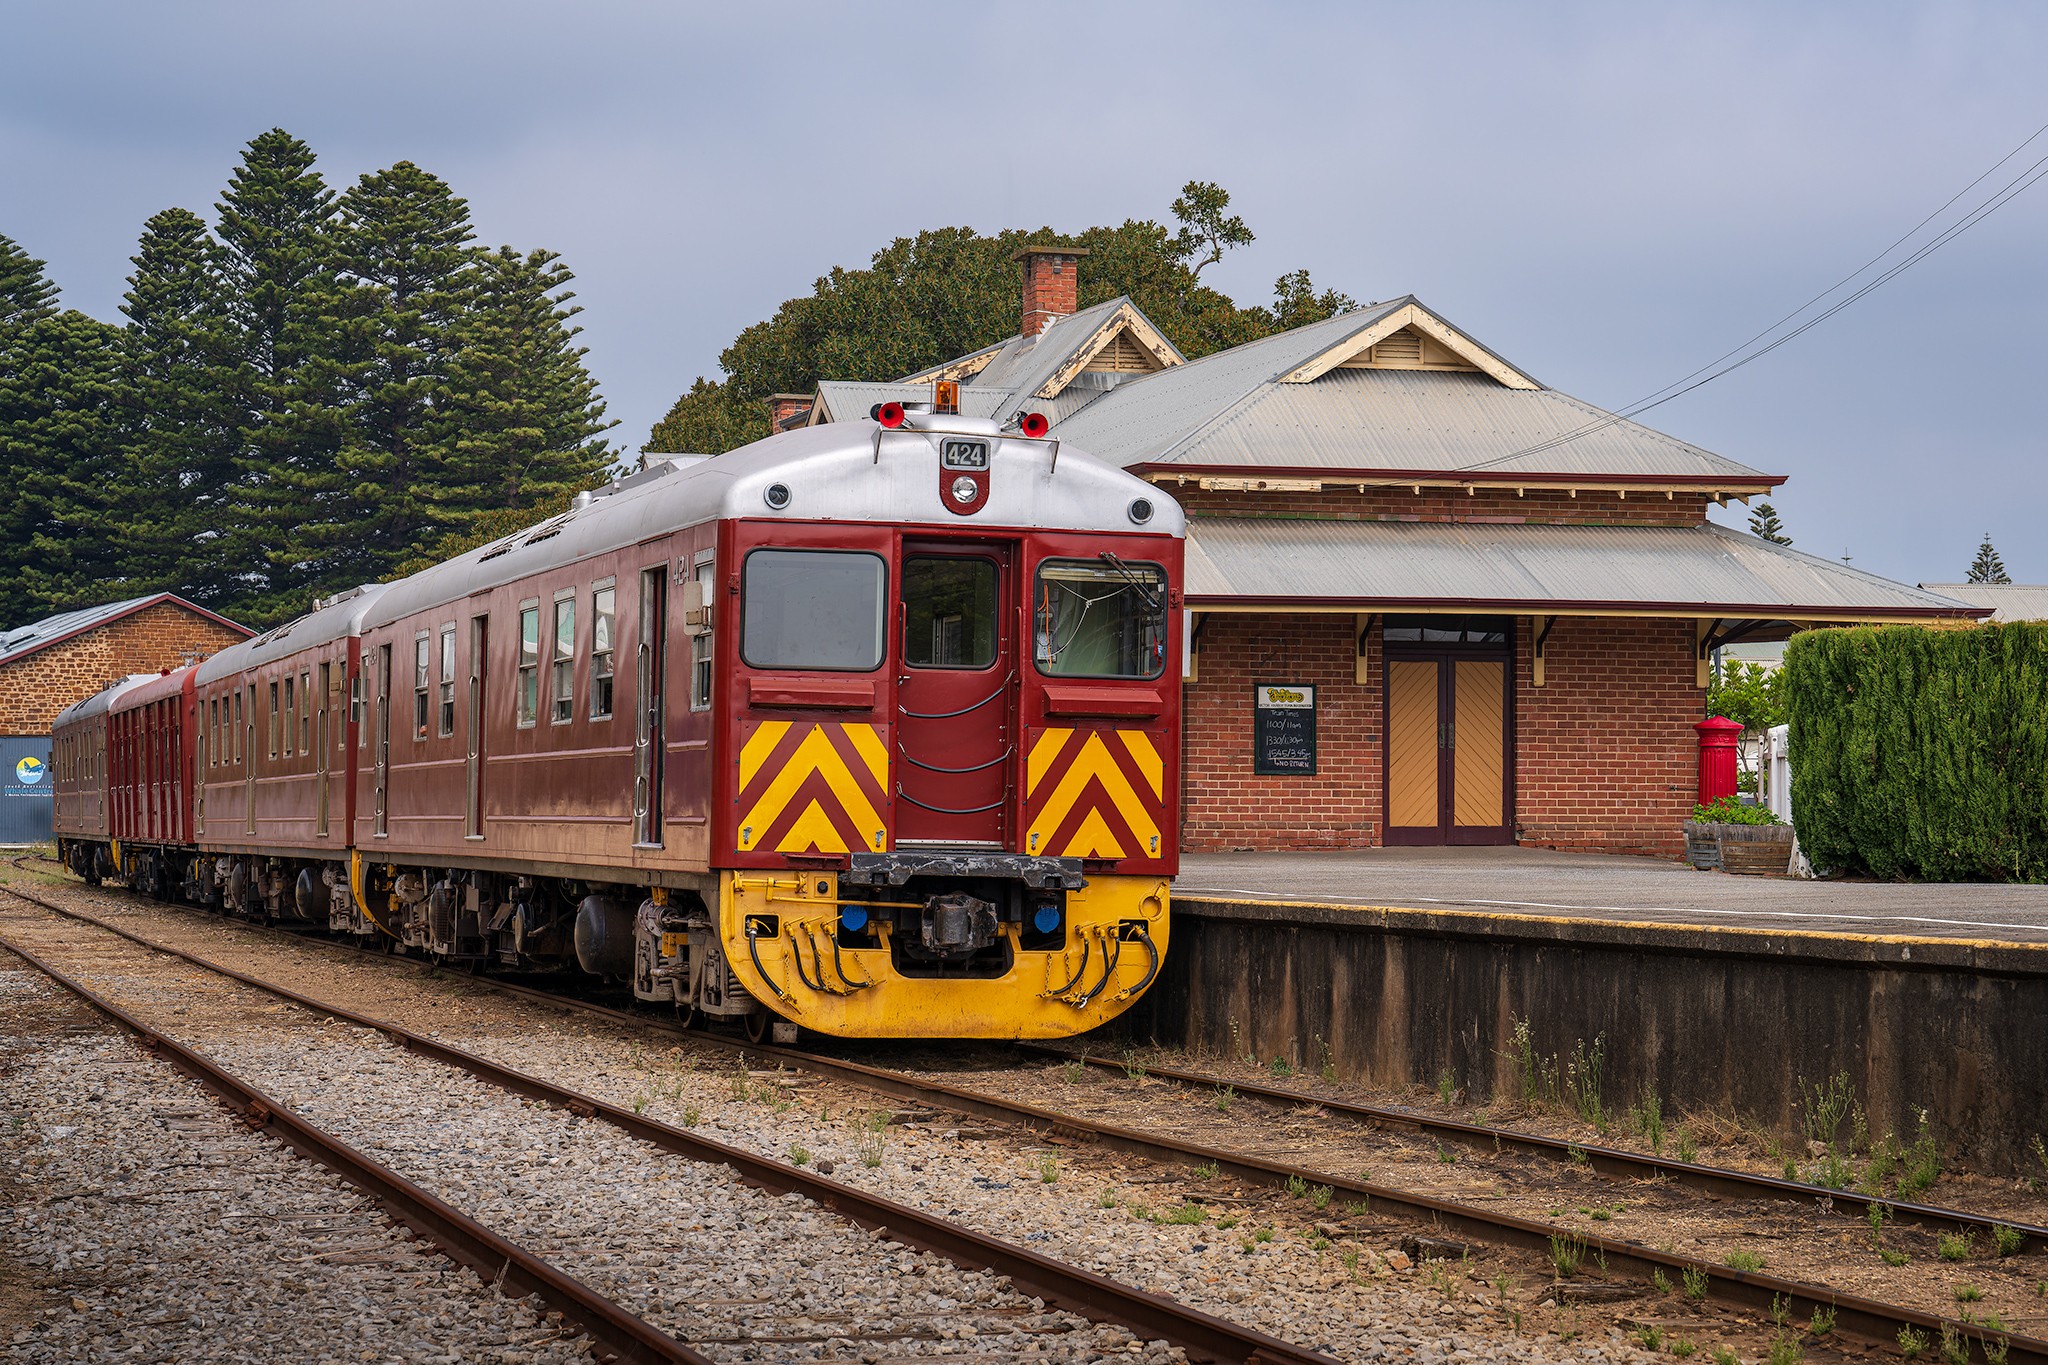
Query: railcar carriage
{"points": [[277, 719], [868, 728], [151, 738], [82, 793]]}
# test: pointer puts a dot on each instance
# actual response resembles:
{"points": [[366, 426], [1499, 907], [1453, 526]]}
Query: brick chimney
{"points": [[1052, 285], [787, 410]]}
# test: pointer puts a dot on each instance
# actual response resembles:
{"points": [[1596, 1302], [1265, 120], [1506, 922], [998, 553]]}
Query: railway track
{"points": [[1867, 1319], [1101, 1299]]}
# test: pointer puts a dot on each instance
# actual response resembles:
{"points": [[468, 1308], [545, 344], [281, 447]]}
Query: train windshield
{"points": [[1100, 618], [814, 609]]}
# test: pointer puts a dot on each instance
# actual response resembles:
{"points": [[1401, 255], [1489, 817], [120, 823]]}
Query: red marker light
{"points": [[890, 415], [1033, 424]]}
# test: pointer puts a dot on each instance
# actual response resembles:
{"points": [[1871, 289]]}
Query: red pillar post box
{"points": [[1718, 736]]}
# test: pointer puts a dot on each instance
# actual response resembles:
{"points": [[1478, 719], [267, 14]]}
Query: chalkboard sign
{"points": [[1284, 729]]}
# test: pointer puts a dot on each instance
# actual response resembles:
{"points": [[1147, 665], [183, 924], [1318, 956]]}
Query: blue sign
{"points": [[25, 796], [30, 770]]}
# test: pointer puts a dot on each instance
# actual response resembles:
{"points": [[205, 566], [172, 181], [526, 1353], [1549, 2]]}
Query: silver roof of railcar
{"points": [[99, 702], [336, 619], [834, 472]]}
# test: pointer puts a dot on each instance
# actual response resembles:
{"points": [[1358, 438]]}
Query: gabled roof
{"points": [[1302, 400], [2008, 601], [23, 641], [1522, 568]]}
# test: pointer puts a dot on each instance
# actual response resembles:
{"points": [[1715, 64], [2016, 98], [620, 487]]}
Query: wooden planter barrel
{"points": [[1750, 850]]}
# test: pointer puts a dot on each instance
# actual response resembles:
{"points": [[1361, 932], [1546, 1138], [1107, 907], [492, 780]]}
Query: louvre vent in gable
{"points": [[1408, 349], [1123, 355]]}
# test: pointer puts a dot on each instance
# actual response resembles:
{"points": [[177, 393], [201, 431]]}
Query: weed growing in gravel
{"points": [[1319, 1197], [1237, 1047], [1791, 1169], [1567, 1251], [1786, 1350], [2040, 1150], [1318, 1243], [1281, 1067], [1296, 1186], [1208, 1172], [1446, 1086], [1263, 1235], [1576, 1153], [639, 1104], [1659, 1281], [1683, 1347], [1968, 1293], [1446, 1155], [1583, 1078], [1781, 1309], [1501, 1285], [1133, 1068], [1349, 1257], [1922, 1160], [1875, 1213], [1955, 1347], [799, 1155], [1438, 1272], [1536, 1076], [1997, 1351], [691, 1114], [878, 1121], [1358, 1208], [1106, 1200], [1225, 1096], [1187, 1214], [1826, 1106], [1911, 1343], [1953, 1246], [1329, 1067], [1822, 1322], [740, 1089], [1744, 1261], [1688, 1148], [2007, 1238], [1048, 1169], [1073, 1073], [1603, 1214], [1724, 1356], [1695, 1281], [1651, 1335], [1834, 1171], [1647, 1119], [870, 1146], [1227, 1222], [1892, 1257]]}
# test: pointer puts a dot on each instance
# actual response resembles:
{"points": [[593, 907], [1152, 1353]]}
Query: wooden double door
{"points": [[1450, 769]]}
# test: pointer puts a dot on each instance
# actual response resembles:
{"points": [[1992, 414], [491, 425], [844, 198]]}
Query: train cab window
{"points": [[422, 654], [705, 570], [1099, 618], [446, 697], [949, 612], [528, 699], [603, 618], [814, 609], [562, 660], [291, 712]]}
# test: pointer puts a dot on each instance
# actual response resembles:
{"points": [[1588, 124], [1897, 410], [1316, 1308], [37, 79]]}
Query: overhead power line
{"points": [[1743, 354]]}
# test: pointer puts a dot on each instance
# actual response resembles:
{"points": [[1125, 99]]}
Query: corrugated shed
{"points": [[26, 640], [2011, 601], [1696, 567]]}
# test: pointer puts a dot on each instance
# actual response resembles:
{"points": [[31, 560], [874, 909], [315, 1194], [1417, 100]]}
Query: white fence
{"points": [[1774, 764]]}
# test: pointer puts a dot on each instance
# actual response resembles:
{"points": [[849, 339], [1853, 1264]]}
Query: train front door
{"points": [[956, 693]]}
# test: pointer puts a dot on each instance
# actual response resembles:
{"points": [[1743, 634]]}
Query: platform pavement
{"points": [[1606, 887]]}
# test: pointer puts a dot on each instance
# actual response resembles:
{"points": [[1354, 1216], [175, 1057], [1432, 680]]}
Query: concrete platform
{"points": [[1597, 887]]}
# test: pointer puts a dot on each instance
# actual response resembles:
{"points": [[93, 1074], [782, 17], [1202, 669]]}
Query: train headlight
{"points": [[1141, 510], [965, 489], [776, 496]]}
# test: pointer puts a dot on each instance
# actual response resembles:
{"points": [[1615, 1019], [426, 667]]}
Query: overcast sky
{"points": [[1608, 195]]}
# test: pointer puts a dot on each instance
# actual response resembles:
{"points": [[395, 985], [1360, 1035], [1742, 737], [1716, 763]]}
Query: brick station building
{"points": [[1429, 599], [47, 665]]}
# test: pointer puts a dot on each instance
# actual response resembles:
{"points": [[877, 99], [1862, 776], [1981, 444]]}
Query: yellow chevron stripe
{"points": [[1043, 755], [814, 754], [1094, 761], [1149, 762], [867, 742], [759, 745], [812, 828]]}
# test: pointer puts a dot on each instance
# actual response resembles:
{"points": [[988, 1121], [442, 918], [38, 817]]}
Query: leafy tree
{"points": [[1753, 697], [26, 293], [1988, 567], [182, 419], [1764, 525], [926, 299]]}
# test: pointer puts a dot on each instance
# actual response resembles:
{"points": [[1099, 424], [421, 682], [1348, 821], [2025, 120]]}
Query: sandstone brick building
{"points": [[49, 664], [1430, 600]]}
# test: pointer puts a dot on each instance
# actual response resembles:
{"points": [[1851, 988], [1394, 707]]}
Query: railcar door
{"points": [[649, 749], [479, 659], [322, 762], [955, 731]]}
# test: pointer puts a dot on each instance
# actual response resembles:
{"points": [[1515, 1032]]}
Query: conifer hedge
{"points": [[1922, 754]]}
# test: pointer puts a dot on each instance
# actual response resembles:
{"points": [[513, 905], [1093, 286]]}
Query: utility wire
{"points": [[2024, 181]]}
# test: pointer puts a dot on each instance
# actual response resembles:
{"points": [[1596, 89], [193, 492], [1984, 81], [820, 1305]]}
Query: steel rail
{"points": [[1097, 1297], [1716, 1180], [623, 1335], [1855, 1316]]}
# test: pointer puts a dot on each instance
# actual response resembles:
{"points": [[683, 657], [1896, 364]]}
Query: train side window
{"points": [[603, 617], [422, 652], [949, 612], [528, 699], [706, 570], [242, 722], [359, 702], [814, 609], [273, 718], [291, 712], [447, 681], [306, 713], [562, 661]]}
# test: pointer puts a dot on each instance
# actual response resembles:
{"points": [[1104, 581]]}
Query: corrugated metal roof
{"points": [[2013, 601], [1229, 409], [26, 640], [1696, 568]]}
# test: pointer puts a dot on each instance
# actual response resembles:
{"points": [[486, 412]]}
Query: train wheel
{"points": [[757, 1024]]}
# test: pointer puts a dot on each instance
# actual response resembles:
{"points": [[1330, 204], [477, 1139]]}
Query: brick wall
{"points": [[1052, 286], [1605, 755], [1447, 504], [33, 690]]}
